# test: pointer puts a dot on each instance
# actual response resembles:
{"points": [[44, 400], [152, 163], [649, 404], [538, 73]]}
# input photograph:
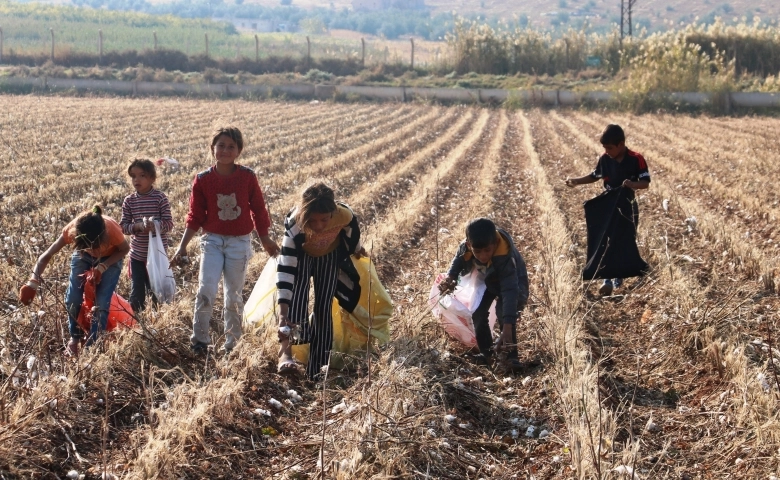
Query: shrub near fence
{"points": [[477, 47], [172, 60]]}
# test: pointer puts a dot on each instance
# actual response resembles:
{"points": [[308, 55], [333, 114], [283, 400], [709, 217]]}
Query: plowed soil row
{"points": [[653, 339]]}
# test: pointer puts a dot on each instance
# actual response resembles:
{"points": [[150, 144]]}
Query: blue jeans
{"points": [[226, 257], [80, 262]]}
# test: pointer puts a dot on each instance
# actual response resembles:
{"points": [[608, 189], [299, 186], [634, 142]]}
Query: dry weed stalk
{"points": [[591, 427]]}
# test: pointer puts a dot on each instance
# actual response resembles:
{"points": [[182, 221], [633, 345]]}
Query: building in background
{"points": [[376, 5]]}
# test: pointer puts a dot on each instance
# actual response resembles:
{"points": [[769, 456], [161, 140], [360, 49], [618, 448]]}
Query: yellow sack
{"points": [[350, 330]]}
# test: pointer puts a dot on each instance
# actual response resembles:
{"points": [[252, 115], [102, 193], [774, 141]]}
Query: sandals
{"points": [[287, 367]]}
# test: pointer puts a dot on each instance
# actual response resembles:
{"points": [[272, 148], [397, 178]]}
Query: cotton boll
{"points": [[294, 396], [651, 426], [260, 411], [275, 403], [72, 475], [464, 425], [450, 418], [431, 432], [339, 408], [624, 470], [526, 381], [543, 434], [529, 432]]}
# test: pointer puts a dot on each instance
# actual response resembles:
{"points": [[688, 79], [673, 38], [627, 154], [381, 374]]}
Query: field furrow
{"points": [[654, 339], [753, 249], [674, 375]]}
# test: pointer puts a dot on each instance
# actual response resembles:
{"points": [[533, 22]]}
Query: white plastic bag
{"points": [[261, 306], [454, 310], [159, 268]]}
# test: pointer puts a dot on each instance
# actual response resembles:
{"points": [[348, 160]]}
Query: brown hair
{"points": [[144, 164], [232, 132], [89, 230], [316, 198]]}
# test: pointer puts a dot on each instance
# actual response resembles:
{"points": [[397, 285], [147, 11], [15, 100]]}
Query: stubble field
{"points": [[673, 377]]}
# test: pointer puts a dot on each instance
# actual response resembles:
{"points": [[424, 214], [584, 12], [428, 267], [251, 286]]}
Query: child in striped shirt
{"points": [[138, 212], [320, 236]]}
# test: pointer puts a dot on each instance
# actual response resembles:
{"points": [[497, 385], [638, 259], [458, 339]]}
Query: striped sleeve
{"points": [[126, 222], [288, 259], [351, 233], [166, 218]]}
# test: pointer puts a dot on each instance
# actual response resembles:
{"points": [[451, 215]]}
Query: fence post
{"points": [[308, 50], [257, 49], [363, 52], [155, 40], [412, 41], [207, 44], [1, 45], [51, 30], [100, 45]]}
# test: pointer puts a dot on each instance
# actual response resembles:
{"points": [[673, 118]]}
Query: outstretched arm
{"points": [[572, 182]]}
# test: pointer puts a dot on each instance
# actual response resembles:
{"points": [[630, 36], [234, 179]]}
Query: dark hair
{"points": [[89, 230], [317, 198], [481, 233], [612, 135], [233, 132], [144, 164]]}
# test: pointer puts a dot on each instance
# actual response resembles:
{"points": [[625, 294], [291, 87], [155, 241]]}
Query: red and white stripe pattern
{"points": [[134, 208]]}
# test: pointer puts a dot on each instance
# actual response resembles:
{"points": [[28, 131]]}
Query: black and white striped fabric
{"points": [[319, 332], [348, 286]]}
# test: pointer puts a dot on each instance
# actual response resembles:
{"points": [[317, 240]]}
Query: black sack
{"points": [[611, 220]]}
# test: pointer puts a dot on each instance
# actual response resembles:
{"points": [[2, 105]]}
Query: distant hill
{"points": [[653, 14]]}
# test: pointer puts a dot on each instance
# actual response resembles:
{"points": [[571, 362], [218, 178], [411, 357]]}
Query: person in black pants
{"points": [[493, 253]]}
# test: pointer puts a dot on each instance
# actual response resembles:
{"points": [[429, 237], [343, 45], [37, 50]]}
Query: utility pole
{"points": [[626, 24]]}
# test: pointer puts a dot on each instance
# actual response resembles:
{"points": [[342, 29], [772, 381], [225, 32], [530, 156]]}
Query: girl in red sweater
{"points": [[227, 204]]}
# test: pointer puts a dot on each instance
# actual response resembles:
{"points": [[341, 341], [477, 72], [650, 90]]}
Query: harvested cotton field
{"points": [[673, 376]]}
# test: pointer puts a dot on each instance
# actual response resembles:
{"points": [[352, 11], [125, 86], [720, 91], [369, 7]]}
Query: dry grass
{"points": [[679, 349]]}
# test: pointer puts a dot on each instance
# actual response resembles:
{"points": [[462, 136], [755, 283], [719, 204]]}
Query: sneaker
{"points": [[199, 348], [481, 359], [617, 282], [606, 288]]}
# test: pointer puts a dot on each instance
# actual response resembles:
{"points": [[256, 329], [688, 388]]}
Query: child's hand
{"points": [[570, 182], [140, 228], [27, 292], [97, 272], [180, 258], [285, 329], [360, 253], [447, 285], [628, 184], [269, 246], [505, 340]]}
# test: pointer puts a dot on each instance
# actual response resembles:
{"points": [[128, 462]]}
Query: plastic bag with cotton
{"points": [[454, 309], [159, 268], [350, 330]]}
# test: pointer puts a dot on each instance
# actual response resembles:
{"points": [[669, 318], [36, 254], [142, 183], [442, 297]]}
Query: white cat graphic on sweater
{"points": [[227, 207]]}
